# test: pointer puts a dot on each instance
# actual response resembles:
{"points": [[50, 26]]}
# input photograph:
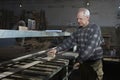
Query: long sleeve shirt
{"points": [[88, 40]]}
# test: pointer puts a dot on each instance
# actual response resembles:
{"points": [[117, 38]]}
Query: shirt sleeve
{"points": [[67, 43], [94, 41]]}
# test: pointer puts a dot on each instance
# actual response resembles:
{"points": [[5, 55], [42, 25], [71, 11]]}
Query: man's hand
{"points": [[51, 52], [76, 65]]}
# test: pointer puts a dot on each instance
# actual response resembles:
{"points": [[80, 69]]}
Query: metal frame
{"points": [[30, 33]]}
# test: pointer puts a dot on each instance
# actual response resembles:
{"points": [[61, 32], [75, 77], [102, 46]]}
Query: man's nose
{"points": [[78, 20]]}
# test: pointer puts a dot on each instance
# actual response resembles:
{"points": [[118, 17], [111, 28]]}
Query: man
{"points": [[89, 40]]}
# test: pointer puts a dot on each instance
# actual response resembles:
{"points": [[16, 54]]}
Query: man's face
{"points": [[82, 19]]}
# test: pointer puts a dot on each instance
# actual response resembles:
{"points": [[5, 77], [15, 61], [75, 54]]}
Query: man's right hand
{"points": [[76, 65], [52, 52]]}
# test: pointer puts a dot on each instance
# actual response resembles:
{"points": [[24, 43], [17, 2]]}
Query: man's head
{"points": [[83, 16]]}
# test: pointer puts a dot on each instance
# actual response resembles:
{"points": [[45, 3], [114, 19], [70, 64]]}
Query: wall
{"points": [[63, 12]]}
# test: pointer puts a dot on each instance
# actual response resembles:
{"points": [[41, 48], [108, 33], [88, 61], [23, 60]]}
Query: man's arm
{"points": [[67, 44]]}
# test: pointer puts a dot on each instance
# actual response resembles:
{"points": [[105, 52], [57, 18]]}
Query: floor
{"points": [[111, 72]]}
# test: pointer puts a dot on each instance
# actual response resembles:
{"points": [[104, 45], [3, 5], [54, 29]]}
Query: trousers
{"points": [[98, 68], [92, 70]]}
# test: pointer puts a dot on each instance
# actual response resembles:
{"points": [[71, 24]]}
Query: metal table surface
{"points": [[34, 67]]}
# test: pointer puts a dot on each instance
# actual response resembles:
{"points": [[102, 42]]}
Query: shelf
{"points": [[111, 59]]}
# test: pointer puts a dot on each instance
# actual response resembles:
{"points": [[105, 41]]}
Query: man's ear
{"points": [[88, 17]]}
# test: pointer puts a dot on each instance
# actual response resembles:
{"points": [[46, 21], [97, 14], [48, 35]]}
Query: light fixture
{"points": [[20, 5], [119, 7], [87, 3]]}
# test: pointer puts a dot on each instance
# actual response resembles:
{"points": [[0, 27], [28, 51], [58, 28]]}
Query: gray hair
{"points": [[85, 11]]}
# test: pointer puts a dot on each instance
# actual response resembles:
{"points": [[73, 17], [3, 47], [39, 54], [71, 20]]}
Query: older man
{"points": [[88, 39]]}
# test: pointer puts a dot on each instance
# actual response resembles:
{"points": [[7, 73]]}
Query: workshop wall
{"points": [[63, 13]]}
